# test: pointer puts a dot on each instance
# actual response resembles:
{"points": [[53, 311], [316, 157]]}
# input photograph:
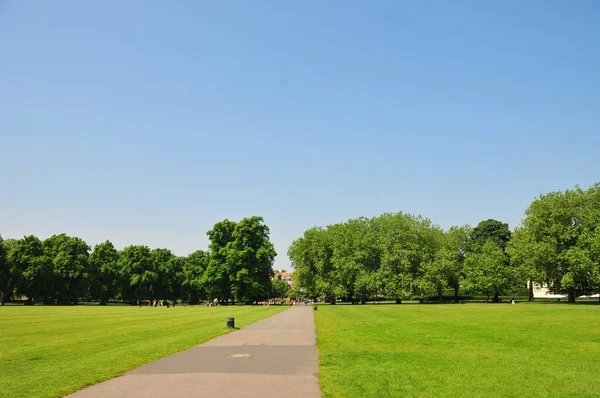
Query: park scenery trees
{"points": [[401, 256], [396, 256], [65, 270]]}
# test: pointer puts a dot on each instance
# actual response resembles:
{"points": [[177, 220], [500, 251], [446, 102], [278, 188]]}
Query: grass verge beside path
{"points": [[472, 350], [53, 351]]}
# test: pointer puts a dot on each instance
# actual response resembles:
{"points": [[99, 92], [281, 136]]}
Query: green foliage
{"points": [[217, 274], [446, 268], [487, 230], [138, 272], [194, 269], [69, 257], [31, 268], [279, 288], [103, 272], [4, 272], [558, 243], [394, 255], [485, 271], [249, 259], [237, 266]]}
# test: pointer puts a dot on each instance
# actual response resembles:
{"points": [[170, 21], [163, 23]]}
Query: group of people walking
{"points": [[157, 303]]}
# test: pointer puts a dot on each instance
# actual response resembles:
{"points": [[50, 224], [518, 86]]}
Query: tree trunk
{"points": [[531, 298], [496, 298], [332, 301], [571, 292], [440, 295], [456, 287], [398, 301], [487, 298]]}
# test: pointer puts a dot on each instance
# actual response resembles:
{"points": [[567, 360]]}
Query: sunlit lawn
{"points": [[470, 350], [52, 351]]}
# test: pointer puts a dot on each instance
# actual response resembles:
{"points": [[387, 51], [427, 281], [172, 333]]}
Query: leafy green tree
{"points": [[217, 276], [249, 259], [494, 230], [175, 276], [103, 272], [279, 288], [311, 256], [69, 256], [491, 231], [446, 268], [193, 281], [32, 269], [557, 243], [485, 271], [8, 283], [161, 263], [408, 244], [139, 275], [4, 272]]}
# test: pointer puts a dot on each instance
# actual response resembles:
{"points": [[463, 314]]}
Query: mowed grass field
{"points": [[52, 351], [471, 350]]}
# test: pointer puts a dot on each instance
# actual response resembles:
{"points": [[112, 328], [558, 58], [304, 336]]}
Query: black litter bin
{"points": [[315, 307], [230, 323]]}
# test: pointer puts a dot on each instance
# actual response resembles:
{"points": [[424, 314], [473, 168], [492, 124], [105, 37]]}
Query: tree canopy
{"points": [[64, 269]]}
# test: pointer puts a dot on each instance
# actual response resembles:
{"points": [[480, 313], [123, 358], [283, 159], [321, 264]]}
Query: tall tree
{"points": [[69, 257], [446, 268], [193, 282], [7, 283], [311, 257], [485, 271], [249, 257], [32, 268], [217, 275], [558, 242], [279, 288], [493, 231], [409, 243], [161, 264], [103, 272], [138, 272], [4, 272]]}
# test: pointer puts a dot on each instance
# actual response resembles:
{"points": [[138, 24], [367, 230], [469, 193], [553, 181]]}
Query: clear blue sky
{"points": [[145, 122]]}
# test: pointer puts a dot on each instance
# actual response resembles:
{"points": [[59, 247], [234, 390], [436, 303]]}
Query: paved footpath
{"points": [[275, 357]]}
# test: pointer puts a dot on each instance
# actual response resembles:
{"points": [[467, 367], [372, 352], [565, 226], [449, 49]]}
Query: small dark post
{"points": [[230, 323]]}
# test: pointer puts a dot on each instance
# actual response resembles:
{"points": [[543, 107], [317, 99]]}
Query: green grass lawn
{"points": [[471, 350], [52, 351]]}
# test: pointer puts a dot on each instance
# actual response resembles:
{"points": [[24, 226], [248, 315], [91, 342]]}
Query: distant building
{"points": [[283, 275]]}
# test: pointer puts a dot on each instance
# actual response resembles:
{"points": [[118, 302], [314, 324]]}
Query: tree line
{"points": [[237, 267], [401, 256]]}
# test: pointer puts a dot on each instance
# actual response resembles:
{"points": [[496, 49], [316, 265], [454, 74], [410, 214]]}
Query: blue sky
{"points": [[145, 122]]}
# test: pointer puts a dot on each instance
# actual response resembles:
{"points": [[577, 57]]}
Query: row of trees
{"points": [[402, 256], [64, 269]]}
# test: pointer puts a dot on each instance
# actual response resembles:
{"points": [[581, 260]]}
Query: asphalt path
{"points": [[274, 357]]}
